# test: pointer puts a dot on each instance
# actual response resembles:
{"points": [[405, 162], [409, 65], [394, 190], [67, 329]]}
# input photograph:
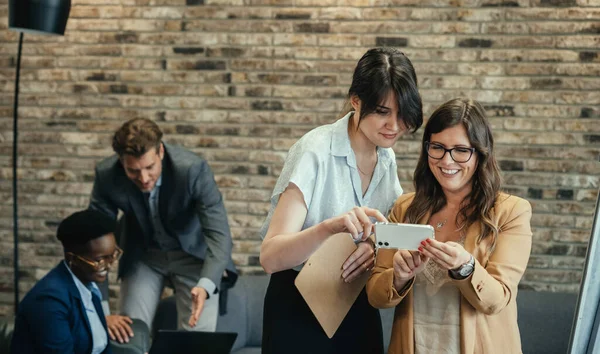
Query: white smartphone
{"points": [[402, 236]]}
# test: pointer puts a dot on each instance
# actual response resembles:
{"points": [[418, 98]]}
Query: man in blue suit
{"points": [[62, 313], [174, 228]]}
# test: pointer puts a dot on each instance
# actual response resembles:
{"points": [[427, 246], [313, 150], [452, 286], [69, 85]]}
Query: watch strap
{"points": [[458, 273]]}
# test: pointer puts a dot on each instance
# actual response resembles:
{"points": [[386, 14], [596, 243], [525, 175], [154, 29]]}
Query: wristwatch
{"points": [[464, 270]]}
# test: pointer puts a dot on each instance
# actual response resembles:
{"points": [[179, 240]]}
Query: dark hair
{"points": [[80, 227], [381, 70], [136, 137], [476, 206]]}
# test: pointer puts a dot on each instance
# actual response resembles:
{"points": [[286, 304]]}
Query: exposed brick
{"points": [[546, 83], [564, 194], [391, 41], [475, 43], [500, 111], [558, 3], [587, 112], [100, 76], [267, 105], [500, 4], [593, 139], [293, 15], [511, 165], [225, 52], [127, 37], [557, 250], [119, 89], [534, 193], [188, 50], [588, 56], [263, 170], [309, 27], [592, 29], [239, 81]]}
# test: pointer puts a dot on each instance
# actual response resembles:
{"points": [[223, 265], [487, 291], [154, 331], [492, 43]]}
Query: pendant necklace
{"points": [[440, 224]]}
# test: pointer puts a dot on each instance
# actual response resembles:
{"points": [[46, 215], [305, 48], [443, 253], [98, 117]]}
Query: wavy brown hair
{"points": [[136, 137], [486, 181]]}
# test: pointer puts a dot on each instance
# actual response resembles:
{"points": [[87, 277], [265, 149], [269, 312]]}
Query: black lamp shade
{"points": [[39, 16]]}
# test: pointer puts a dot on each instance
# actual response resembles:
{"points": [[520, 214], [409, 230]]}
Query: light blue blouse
{"points": [[323, 166]]}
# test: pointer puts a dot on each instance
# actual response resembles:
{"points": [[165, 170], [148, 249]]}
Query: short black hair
{"points": [[384, 70], [85, 225]]}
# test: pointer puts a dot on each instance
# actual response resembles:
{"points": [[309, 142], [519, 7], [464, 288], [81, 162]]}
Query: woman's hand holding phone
{"points": [[407, 264]]}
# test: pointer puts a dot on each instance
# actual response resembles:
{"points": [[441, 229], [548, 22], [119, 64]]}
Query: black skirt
{"points": [[290, 327]]}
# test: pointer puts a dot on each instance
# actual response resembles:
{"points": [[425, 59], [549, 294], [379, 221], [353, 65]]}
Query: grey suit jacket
{"points": [[191, 209]]}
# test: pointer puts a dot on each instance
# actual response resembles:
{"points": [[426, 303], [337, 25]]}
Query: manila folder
{"points": [[321, 284]]}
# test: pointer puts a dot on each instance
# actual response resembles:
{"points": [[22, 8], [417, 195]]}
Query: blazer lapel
{"points": [[98, 306], [77, 296]]}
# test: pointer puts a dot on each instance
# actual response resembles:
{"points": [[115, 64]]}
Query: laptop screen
{"points": [[175, 342]]}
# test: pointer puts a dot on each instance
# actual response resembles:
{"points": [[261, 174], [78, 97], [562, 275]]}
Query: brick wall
{"points": [[238, 81]]}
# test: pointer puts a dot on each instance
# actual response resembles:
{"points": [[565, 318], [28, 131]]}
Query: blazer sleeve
{"points": [[380, 286], [491, 287], [213, 218], [48, 319], [99, 199]]}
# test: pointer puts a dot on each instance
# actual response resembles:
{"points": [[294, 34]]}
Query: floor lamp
{"points": [[37, 17]]}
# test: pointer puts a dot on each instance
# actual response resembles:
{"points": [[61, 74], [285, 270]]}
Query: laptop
{"points": [[176, 342]]}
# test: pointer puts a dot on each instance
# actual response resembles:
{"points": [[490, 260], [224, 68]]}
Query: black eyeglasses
{"points": [[459, 154]]}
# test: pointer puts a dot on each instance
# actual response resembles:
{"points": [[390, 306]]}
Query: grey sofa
{"points": [[244, 313], [545, 318]]}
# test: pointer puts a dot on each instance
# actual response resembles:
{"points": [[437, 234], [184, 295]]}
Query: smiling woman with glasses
{"points": [[62, 313], [457, 293], [458, 154], [98, 264]]}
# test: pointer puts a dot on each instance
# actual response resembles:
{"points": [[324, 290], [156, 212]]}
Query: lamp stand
{"points": [[15, 177]]}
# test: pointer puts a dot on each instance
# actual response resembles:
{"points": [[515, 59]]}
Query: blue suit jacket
{"points": [[52, 318]]}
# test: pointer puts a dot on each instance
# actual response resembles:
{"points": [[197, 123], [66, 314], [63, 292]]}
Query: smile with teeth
{"points": [[449, 172], [102, 273]]}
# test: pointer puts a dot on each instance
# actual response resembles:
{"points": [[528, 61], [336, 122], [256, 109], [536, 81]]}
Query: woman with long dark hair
{"points": [[457, 293]]}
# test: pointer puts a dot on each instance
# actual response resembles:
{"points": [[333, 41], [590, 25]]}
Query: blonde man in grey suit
{"points": [[174, 228]]}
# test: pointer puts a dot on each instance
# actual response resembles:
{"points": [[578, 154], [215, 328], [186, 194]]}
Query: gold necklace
{"points": [[361, 171]]}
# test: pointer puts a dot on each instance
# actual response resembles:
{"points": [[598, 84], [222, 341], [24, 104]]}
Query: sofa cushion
{"points": [[545, 320], [245, 310], [7, 326], [138, 344], [248, 350], [234, 319], [387, 320]]}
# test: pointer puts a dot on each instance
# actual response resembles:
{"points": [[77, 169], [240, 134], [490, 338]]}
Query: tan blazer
{"points": [[488, 309]]}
